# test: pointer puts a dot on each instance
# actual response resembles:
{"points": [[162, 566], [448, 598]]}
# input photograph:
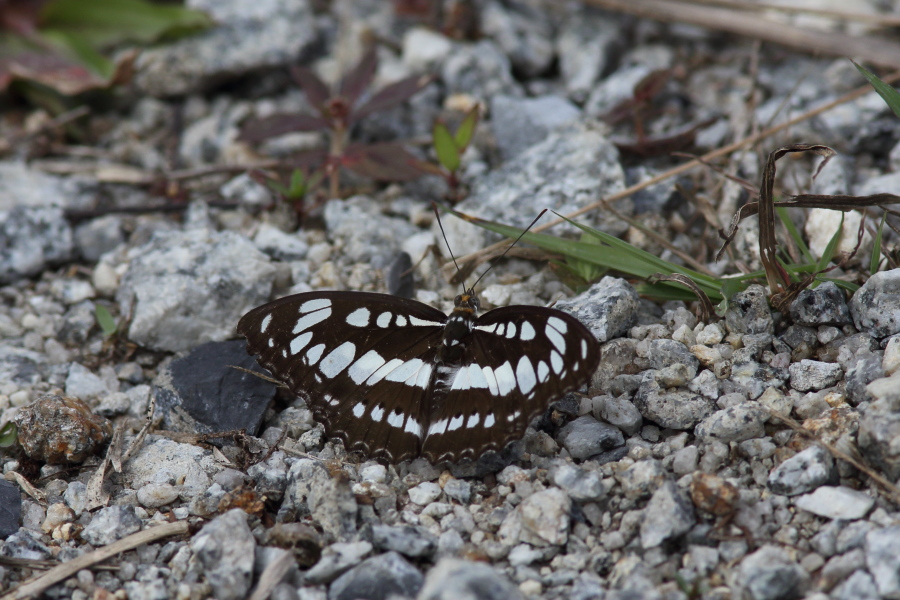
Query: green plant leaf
{"points": [[875, 260], [445, 147], [828, 254], [78, 48], [8, 435], [105, 320], [102, 23], [890, 95], [466, 129], [792, 231]]}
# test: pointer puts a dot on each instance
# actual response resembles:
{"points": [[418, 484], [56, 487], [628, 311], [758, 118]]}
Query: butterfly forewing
{"points": [[363, 363], [517, 361]]}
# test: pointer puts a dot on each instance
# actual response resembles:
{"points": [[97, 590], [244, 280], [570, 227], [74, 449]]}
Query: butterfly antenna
{"points": [[494, 262], [449, 249]]}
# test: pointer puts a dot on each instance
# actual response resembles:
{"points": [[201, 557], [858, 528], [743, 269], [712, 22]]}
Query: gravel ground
{"points": [[751, 457]]}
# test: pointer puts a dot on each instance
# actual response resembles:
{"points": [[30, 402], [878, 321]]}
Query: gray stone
{"points": [[478, 69], [110, 524], [542, 519], [424, 493], [161, 460], [879, 428], [523, 33], [673, 410], [664, 353], [840, 567], [825, 304], [581, 485], [570, 169], [25, 544], [22, 185], [225, 549], [748, 312], [867, 367], [586, 436], [335, 560], [668, 515], [859, 586], [836, 502], [815, 375], [10, 508], [378, 578], [365, 233], [33, 239], [803, 472], [311, 490], [519, 123], [875, 307], [621, 413], [642, 478], [883, 559], [247, 37], [278, 244], [454, 579], [192, 287], [741, 422], [96, 237], [770, 574], [414, 542], [586, 44], [608, 308], [458, 489]]}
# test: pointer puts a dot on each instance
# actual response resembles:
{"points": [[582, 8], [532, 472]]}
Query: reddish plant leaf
{"points": [[392, 95], [258, 130], [308, 159], [61, 74], [388, 161], [21, 16], [354, 83], [315, 90]]}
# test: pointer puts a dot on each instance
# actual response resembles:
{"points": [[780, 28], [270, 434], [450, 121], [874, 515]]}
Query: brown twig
{"points": [[36, 586]]}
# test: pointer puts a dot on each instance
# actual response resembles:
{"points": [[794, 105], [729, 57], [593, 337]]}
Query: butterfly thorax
{"points": [[458, 328]]}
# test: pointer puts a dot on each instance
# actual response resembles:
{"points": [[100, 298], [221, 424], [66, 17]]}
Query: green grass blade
{"points": [[830, 249], [890, 95], [445, 147], [792, 231]]}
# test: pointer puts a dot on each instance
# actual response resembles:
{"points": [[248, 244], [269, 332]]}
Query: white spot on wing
{"points": [[558, 324], [506, 379], [527, 332], [455, 423], [558, 340], [501, 328], [338, 359], [314, 354], [311, 305], [525, 375], [490, 380], [473, 421], [489, 420], [511, 330], [300, 342], [542, 371], [384, 319], [409, 371], [265, 323], [377, 414], [314, 318], [359, 317], [395, 419], [423, 323], [383, 371], [363, 368], [413, 427], [437, 427], [556, 362], [476, 377], [400, 321], [487, 328], [584, 349], [358, 409]]}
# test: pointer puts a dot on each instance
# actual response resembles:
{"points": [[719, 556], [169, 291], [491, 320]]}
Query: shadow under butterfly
{"points": [[396, 379]]}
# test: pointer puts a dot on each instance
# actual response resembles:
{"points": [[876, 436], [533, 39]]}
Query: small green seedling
{"points": [[105, 320], [449, 148]]}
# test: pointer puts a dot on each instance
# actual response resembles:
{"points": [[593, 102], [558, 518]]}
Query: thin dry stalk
{"points": [[869, 49]]}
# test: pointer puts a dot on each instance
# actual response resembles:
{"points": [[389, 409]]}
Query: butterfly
{"points": [[396, 379]]}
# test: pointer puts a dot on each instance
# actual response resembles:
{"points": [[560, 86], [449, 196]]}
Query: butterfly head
{"points": [[467, 302]]}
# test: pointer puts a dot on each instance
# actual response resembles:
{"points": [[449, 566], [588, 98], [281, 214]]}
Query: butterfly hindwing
{"points": [[363, 363], [517, 361]]}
